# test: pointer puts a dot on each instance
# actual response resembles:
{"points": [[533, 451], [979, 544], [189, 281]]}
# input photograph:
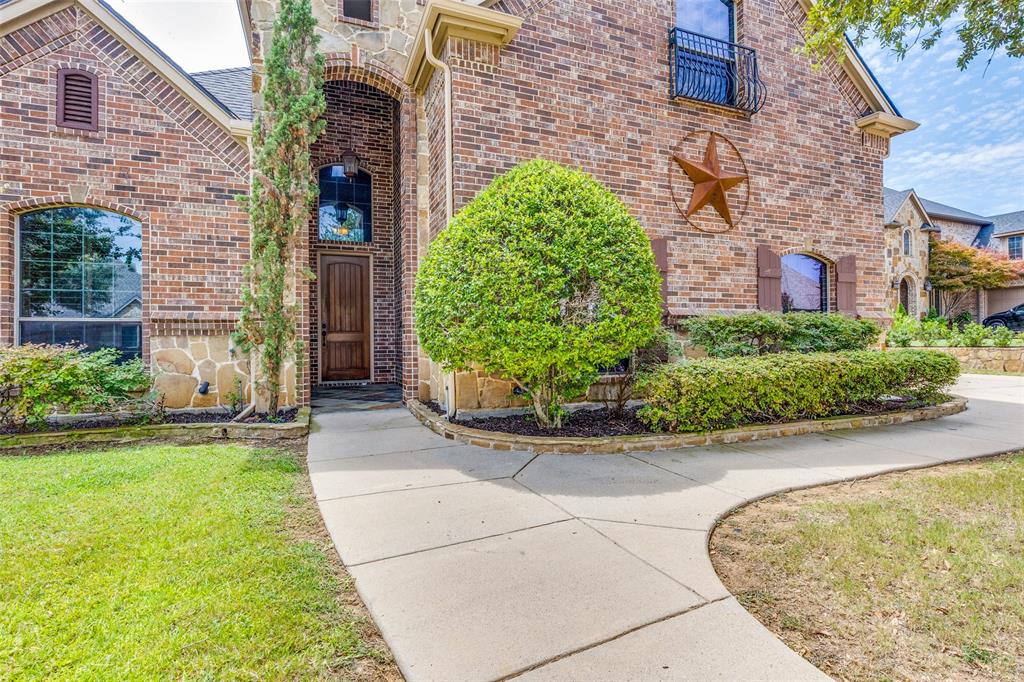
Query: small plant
{"points": [[973, 334], [51, 379], [236, 398], [664, 345], [903, 330], [1002, 336], [932, 330], [544, 278]]}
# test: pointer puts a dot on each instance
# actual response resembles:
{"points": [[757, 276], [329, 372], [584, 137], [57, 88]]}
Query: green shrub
{"points": [[726, 336], [543, 278], [933, 329], [723, 393], [66, 379], [973, 334], [1002, 336], [903, 330]]}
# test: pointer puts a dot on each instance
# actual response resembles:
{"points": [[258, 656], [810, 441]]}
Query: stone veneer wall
{"points": [[1009, 359], [181, 363], [898, 266]]}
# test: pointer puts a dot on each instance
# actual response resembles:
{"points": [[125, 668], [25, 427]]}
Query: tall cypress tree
{"points": [[282, 193]]}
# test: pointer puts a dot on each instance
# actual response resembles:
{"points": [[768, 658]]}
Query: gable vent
{"points": [[77, 99]]}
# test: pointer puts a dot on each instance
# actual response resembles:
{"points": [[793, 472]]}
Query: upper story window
{"points": [[908, 243], [711, 18], [357, 10], [346, 205], [706, 64], [1015, 247], [80, 279], [77, 99]]}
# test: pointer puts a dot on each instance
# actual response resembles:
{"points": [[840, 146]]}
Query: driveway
{"points": [[483, 565]]}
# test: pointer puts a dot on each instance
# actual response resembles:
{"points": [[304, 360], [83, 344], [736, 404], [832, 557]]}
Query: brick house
{"points": [[105, 139], [911, 219]]}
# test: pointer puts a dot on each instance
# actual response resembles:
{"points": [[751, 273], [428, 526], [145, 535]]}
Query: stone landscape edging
{"points": [[545, 445], [176, 432]]}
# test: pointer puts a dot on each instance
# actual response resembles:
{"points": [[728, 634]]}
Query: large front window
{"points": [[345, 213], [804, 284], [80, 279]]}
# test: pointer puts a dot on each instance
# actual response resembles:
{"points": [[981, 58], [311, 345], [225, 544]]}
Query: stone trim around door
{"points": [[542, 445]]}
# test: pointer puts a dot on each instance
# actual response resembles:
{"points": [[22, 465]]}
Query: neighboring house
{"points": [[426, 103], [910, 219]]}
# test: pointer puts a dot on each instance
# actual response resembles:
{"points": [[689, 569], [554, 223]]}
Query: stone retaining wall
{"points": [[177, 433], [988, 358], [497, 440]]}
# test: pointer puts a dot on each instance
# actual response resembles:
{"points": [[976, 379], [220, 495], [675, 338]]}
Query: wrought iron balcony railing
{"points": [[710, 70]]}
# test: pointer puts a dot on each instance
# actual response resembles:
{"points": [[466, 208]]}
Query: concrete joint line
{"points": [[594, 645], [408, 490], [687, 478], [460, 542], [392, 452]]}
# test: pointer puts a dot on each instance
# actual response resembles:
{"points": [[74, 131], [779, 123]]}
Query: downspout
{"points": [[446, 72]]}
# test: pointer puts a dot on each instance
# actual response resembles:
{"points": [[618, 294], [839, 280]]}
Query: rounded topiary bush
{"points": [[543, 278]]}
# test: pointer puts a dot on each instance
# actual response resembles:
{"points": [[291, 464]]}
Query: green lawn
{"points": [[911, 576], [159, 562]]}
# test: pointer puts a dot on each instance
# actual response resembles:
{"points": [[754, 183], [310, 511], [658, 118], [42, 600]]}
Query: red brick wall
{"points": [[365, 118], [155, 157], [585, 83]]}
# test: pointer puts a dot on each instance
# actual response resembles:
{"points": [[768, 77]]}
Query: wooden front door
{"points": [[345, 318]]}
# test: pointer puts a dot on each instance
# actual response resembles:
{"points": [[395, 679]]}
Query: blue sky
{"points": [[968, 152]]}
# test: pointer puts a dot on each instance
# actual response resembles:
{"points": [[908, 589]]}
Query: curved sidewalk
{"points": [[483, 565]]}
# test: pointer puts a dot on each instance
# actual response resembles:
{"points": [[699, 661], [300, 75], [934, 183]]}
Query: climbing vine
{"points": [[282, 193]]}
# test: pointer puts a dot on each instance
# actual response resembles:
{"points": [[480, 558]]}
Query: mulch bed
{"points": [[597, 423], [107, 421]]}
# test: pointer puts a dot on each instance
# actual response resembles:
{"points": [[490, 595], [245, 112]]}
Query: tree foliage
{"points": [[543, 278], [956, 269], [983, 26], [282, 192]]}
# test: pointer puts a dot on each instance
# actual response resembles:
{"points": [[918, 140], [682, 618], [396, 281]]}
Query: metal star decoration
{"points": [[710, 184]]}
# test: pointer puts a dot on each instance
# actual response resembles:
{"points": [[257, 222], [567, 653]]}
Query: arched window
{"points": [[905, 302], [80, 279], [804, 284], [345, 212], [908, 243]]}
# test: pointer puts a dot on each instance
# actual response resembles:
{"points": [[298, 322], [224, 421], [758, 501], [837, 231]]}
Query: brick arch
{"points": [[340, 67], [66, 200], [830, 262]]}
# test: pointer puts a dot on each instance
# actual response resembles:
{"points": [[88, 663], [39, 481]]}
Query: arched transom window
{"points": [[345, 211], [804, 284], [80, 279]]}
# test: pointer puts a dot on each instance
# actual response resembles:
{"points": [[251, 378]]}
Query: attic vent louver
{"points": [[77, 99]]}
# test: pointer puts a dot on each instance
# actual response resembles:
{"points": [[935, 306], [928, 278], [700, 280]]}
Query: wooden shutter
{"points": [[769, 279], [659, 245], [846, 285], [77, 99]]}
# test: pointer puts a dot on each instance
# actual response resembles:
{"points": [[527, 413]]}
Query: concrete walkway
{"points": [[484, 565]]}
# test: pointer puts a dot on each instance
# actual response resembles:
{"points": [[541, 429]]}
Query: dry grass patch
{"points": [[909, 576]]}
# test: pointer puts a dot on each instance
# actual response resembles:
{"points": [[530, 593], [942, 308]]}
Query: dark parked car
{"points": [[1012, 318]]}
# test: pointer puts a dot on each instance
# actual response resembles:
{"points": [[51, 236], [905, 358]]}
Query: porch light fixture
{"points": [[350, 160], [927, 285]]}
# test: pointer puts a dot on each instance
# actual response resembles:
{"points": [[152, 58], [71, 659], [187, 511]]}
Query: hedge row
{"points": [[726, 336], [723, 393]]}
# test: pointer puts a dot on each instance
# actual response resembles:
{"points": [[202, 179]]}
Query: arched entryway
{"points": [[804, 283], [361, 237], [908, 296]]}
